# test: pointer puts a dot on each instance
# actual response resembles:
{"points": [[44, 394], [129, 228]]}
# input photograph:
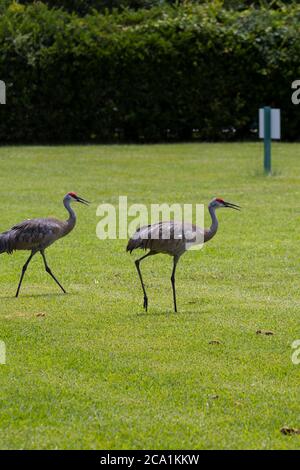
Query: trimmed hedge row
{"points": [[195, 71], [82, 7]]}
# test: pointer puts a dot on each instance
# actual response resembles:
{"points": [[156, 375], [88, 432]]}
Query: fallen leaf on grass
{"points": [[264, 332], [289, 431], [213, 397]]}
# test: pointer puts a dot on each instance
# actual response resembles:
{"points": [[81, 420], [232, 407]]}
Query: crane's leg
{"points": [[23, 271], [175, 261], [137, 263], [50, 272]]}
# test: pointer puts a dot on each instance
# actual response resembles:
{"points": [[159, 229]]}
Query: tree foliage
{"points": [[83, 7], [149, 75]]}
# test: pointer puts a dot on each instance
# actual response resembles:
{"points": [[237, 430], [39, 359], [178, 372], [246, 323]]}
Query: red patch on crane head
{"points": [[72, 194], [220, 200]]}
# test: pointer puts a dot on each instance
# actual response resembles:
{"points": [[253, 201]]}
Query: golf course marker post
{"points": [[269, 128]]}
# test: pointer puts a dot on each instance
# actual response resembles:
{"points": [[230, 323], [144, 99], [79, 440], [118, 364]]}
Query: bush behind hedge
{"points": [[151, 75], [82, 7]]}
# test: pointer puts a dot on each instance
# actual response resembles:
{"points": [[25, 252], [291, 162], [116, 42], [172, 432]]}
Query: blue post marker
{"points": [[267, 139]]}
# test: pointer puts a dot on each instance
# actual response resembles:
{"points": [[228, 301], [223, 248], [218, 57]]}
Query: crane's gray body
{"points": [[34, 234], [171, 237]]}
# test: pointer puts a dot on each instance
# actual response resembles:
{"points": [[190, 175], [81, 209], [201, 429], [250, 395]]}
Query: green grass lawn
{"points": [[91, 369]]}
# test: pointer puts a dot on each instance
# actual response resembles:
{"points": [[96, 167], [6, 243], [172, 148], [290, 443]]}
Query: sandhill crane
{"points": [[37, 234], [173, 238]]}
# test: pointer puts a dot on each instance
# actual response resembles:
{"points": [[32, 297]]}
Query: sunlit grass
{"points": [[91, 369]]}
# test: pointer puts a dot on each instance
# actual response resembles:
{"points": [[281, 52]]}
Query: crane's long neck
{"points": [[70, 223], [209, 233]]}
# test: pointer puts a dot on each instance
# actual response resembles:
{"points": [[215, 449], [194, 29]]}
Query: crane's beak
{"points": [[232, 206], [83, 201]]}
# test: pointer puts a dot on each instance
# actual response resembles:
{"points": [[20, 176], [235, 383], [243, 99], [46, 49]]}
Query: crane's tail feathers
{"points": [[136, 241], [5, 245], [133, 244]]}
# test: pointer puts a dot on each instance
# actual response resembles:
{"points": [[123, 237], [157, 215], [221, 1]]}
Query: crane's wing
{"points": [[170, 237], [30, 234]]}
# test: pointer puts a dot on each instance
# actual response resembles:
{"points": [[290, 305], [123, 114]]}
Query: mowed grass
{"points": [[91, 369]]}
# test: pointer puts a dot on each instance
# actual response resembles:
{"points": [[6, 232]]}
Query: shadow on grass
{"points": [[153, 313], [260, 173], [32, 296], [167, 313]]}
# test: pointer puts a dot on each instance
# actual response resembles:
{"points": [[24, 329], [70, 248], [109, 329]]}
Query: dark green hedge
{"points": [[162, 74], [82, 7]]}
